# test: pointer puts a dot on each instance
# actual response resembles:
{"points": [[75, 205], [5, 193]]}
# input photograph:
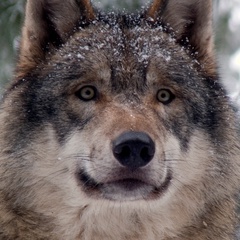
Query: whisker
{"points": [[174, 160]]}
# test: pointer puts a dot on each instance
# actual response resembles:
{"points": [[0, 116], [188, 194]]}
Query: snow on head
{"points": [[115, 40]]}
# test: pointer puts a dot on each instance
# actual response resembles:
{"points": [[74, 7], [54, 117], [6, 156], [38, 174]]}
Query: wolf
{"points": [[117, 126]]}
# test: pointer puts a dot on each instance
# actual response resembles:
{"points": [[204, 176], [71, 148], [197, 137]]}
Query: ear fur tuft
{"points": [[48, 24], [191, 23]]}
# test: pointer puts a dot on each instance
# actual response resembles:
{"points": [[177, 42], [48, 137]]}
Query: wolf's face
{"points": [[117, 127], [117, 110], [132, 114], [136, 110]]}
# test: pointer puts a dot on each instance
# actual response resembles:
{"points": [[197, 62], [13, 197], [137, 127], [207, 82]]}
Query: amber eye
{"points": [[165, 96], [87, 93]]}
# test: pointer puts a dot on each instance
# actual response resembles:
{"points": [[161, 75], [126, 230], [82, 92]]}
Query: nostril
{"points": [[145, 154], [122, 152], [133, 149]]}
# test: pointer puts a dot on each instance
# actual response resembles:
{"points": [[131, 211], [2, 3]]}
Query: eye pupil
{"points": [[87, 93], [165, 96]]}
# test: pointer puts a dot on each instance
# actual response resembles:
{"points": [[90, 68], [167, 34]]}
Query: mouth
{"points": [[126, 189]]}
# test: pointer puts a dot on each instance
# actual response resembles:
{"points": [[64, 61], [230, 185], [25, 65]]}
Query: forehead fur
{"points": [[120, 54], [44, 35]]}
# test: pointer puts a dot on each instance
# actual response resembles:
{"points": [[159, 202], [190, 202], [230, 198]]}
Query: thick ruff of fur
{"points": [[116, 126]]}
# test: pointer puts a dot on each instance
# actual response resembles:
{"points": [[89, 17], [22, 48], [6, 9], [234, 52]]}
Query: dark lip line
{"points": [[89, 184], [86, 180], [164, 186]]}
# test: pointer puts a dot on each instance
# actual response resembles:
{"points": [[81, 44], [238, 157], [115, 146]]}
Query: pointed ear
{"points": [[190, 21], [48, 24]]}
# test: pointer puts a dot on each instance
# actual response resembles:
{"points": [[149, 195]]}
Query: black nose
{"points": [[133, 149]]}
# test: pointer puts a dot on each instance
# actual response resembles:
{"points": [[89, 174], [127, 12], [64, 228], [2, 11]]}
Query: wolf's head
{"points": [[118, 109]]}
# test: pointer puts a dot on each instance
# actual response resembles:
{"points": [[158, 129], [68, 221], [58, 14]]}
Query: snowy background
{"points": [[227, 27], [227, 30]]}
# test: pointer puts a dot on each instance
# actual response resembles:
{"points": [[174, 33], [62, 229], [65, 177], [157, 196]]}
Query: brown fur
{"points": [[50, 138], [40, 31], [195, 24]]}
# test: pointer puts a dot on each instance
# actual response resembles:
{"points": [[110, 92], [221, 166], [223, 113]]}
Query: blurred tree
{"points": [[11, 18]]}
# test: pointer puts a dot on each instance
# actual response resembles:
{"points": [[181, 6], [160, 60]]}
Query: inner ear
{"points": [[190, 21], [47, 25]]}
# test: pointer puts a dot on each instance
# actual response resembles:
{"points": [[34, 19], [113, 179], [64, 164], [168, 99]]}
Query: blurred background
{"points": [[227, 31]]}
